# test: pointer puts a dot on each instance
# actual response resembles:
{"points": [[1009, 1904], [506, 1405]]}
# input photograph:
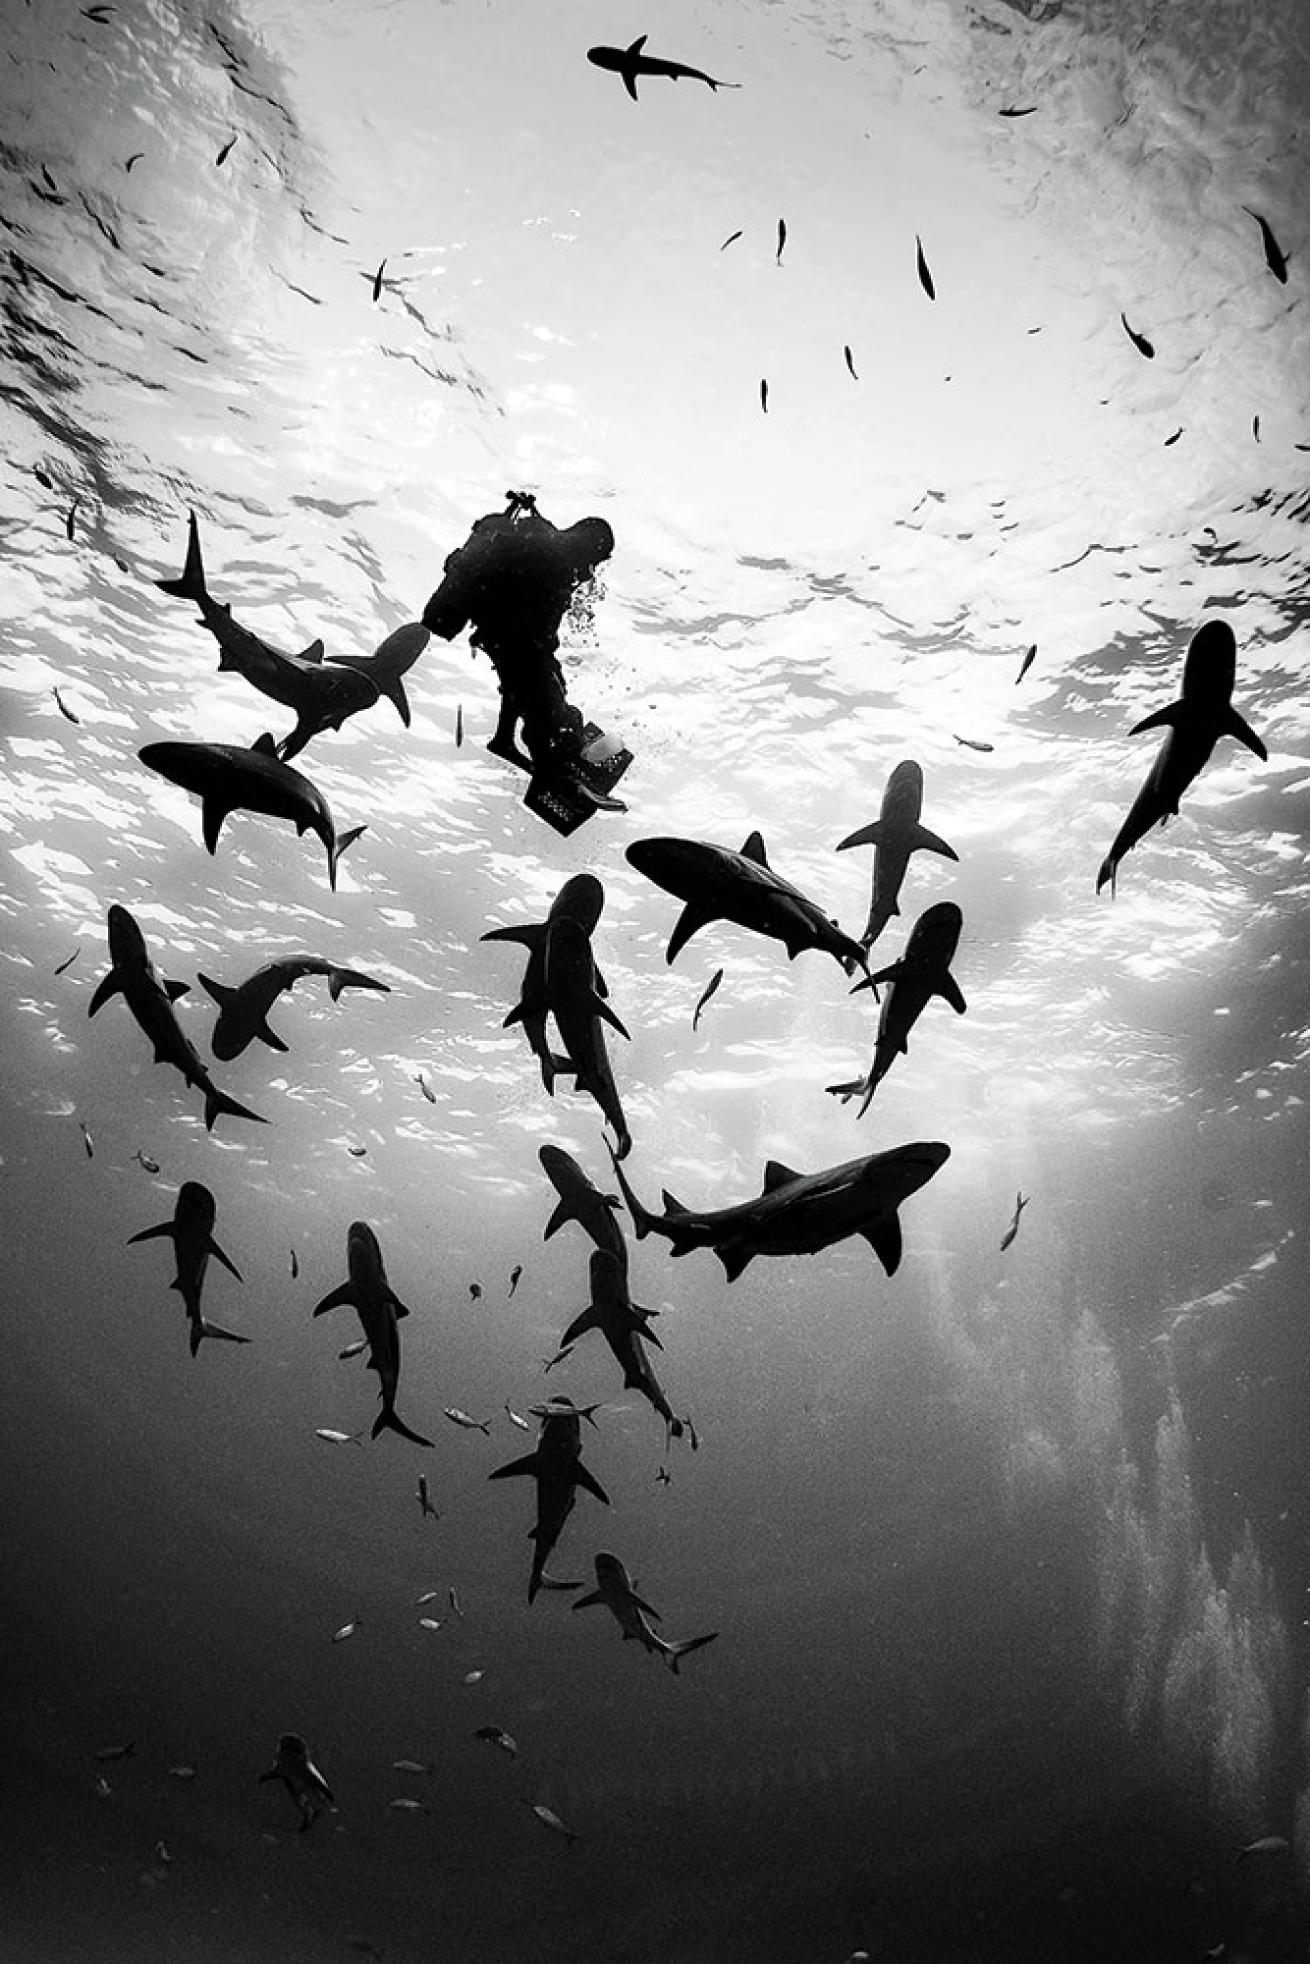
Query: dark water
{"points": [[1007, 1554]]}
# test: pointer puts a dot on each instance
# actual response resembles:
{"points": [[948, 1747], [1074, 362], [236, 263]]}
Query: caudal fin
{"points": [[674, 1651], [190, 585], [339, 846], [386, 1421], [217, 1101], [201, 1328]]}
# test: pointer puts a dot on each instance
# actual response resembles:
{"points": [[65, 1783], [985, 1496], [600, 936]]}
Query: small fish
{"points": [[357, 1152], [107, 1753], [454, 1601], [404, 1805], [86, 1141], [413, 1765], [514, 1418], [474, 1677], [925, 277], [972, 743], [335, 1438], [764, 395], [428, 1596], [377, 282], [1255, 428], [183, 1772], [429, 1623], [144, 1159], [514, 1275], [1032, 111], [63, 708], [459, 725], [71, 515], [71, 959], [1026, 664], [846, 350], [1267, 1844], [475, 1292], [425, 1087], [225, 152], [782, 240], [551, 1820], [161, 1849], [663, 1478], [708, 991], [135, 158], [731, 239], [43, 478], [352, 1349], [425, 1499], [346, 1630], [1139, 341], [98, 14], [457, 1417], [103, 1787], [1174, 438], [1275, 260], [295, 1265], [1013, 1229], [493, 1736]]}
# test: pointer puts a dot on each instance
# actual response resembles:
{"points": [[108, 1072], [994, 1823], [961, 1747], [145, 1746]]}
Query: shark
{"points": [[581, 900], [1194, 724], [380, 1309], [227, 778], [801, 1213], [301, 1778], [243, 1010], [617, 1593], [322, 698], [150, 998], [631, 63], [895, 834], [571, 995], [625, 1325], [717, 884], [191, 1231], [389, 664], [584, 1203], [556, 1466], [923, 971]]}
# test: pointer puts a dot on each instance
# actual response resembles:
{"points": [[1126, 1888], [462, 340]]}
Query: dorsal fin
{"points": [[754, 849], [777, 1175], [265, 745], [313, 653]]}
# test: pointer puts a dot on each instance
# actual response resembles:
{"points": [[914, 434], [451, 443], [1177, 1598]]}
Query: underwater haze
{"points": [[951, 330]]}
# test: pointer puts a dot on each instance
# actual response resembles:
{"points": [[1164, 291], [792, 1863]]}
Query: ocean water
{"points": [[1007, 1552]]}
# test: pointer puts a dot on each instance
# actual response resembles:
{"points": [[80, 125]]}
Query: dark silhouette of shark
{"points": [[895, 834], [923, 971], [227, 778], [243, 1010], [379, 1309], [191, 1232], [556, 1466], [718, 884], [631, 63]]}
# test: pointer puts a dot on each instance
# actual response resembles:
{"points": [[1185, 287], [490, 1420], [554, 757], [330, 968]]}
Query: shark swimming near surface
{"points": [[584, 1203], [581, 900], [134, 976], [801, 1213], [717, 884], [923, 971], [243, 1009], [1193, 726], [895, 834], [556, 1466], [227, 778], [379, 1308], [191, 1231], [632, 64], [617, 1593]]}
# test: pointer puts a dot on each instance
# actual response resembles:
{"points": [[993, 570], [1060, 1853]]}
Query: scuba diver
{"points": [[513, 579]]}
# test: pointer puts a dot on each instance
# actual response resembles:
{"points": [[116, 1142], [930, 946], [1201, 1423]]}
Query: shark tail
{"points": [[350, 978], [674, 1651], [642, 1220], [217, 1101], [386, 1421], [339, 846], [190, 585], [390, 686], [201, 1328]]}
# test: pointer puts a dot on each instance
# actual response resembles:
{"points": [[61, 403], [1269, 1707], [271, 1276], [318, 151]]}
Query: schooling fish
{"points": [[226, 151], [1193, 725], [631, 63], [764, 395], [973, 743], [475, 1292], [718, 884], [135, 158], [191, 1232], [459, 725], [377, 282], [777, 260], [336, 1438], [922, 972], [295, 1265], [107, 1753], [144, 1160], [514, 1418], [1020, 1203], [615, 1591], [556, 1466], [849, 362], [243, 1010], [301, 1778], [228, 778], [425, 1499], [548, 1817], [1139, 341], [379, 1309], [71, 959], [895, 835], [425, 1087], [730, 240], [925, 277], [1275, 260], [1026, 664], [63, 708], [347, 1630], [86, 1140], [134, 976], [706, 993], [457, 1417], [492, 1735], [514, 1276]]}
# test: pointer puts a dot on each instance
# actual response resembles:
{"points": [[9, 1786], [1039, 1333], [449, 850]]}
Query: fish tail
{"points": [[386, 1421], [202, 1328], [190, 585], [674, 1651], [217, 1101], [339, 846]]}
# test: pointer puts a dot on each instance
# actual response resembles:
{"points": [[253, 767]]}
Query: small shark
{"points": [[322, 698], [894, 835], [389, 664], [1195, 724], [623, 1324], [800, 1213], [379, 1309], [580, 900], [618, 1594], [580, 1201], [228, 778], [243, 1010], [718, 884], [923, 971], [556, 1466], [134, 976], [301, 1778], [191, 1232], [630, 63]]}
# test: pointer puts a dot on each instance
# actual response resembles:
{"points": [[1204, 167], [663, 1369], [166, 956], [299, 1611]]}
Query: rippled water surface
{"points": [[1006, 1553]]}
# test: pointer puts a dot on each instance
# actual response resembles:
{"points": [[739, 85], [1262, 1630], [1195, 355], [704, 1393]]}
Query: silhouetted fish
{"points": [[556, 1466], [730, 240], [377, 282], [1021, 1202], [68, 963], [631, 63], [226, 151], [925, 277], [895, 835], [379, 1309], [243, 1009], [1026, 664], [764, 395], [846, 351], [191, 1231], [63, 708], [301, 1778], [922, 972], [706, 993], [616, 1592], [1139, 341], [718, 884], [1275, 260], [777, 260]]}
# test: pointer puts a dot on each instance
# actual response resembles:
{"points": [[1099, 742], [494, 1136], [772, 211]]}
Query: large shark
{"points": [[191, 1232], [894, 835], [580, 900], [624, 1326], [630, 63], [800, 1213], [243, 1010], [389, 664], [322, 698], [923, 971], [556, 1466], [584, 1203], [228, 778], [379, 1309], [717, 884], [1195, 723], [301, 1778], [134, 976], [617, 1593], [572, 996]]}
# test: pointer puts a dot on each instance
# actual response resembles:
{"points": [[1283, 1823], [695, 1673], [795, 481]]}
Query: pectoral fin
{"points": [[1161, 719], [925, 841], [344, 1294], [112, 985], [594, 1600], [1237, 726], [734, 1260], [212, 814], [587, 1479], [950, 989], [530, 1463], [227, 1262], [868, 835], [884, 1237], [154, 1233], [690, 921]]}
